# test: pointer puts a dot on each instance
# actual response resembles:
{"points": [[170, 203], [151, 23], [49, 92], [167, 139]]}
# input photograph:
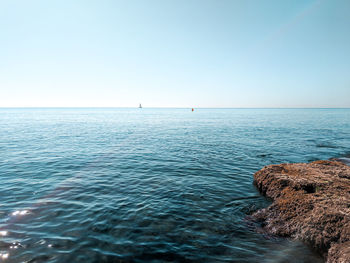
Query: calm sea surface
{"points": [[151, 185]]}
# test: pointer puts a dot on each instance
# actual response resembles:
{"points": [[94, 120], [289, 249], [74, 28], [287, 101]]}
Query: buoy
{"points": [[192, 109]]}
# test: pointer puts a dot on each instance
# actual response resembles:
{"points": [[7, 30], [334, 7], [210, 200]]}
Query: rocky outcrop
{"points": [[311, 202]]}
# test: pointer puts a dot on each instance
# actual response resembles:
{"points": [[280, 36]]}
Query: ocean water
{"points": [[151, 185]]}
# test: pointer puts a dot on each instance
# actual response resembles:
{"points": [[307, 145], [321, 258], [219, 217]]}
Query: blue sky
{"points": [[175, 53]]}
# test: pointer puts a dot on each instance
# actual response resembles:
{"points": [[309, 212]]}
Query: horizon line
{"points": [[116, 107]]}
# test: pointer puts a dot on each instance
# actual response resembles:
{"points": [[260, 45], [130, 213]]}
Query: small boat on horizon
{"points": [[140, 106]]}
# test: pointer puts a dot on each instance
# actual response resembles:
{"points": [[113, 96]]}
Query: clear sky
{"points": [[175, 53]]}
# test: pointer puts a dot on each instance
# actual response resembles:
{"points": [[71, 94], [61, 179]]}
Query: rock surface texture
{"points": [[311, 202]]}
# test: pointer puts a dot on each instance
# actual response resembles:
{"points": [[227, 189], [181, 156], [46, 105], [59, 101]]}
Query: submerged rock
{"points": [[311, 202]]}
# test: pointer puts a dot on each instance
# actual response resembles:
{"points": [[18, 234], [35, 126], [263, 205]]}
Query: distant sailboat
{"points": [[140, 107]]}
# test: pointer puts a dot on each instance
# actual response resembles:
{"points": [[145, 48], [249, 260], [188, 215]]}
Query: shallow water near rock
{"points": [[151, 185]]}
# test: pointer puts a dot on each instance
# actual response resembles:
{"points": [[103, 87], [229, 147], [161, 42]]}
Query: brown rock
{"points": [[311, 202]]}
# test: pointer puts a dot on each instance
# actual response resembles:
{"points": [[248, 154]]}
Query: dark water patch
{"points": [[326, 145], [342, 159]]}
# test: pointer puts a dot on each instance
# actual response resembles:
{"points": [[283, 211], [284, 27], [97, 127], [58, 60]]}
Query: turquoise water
{"points": [[151, 185]]}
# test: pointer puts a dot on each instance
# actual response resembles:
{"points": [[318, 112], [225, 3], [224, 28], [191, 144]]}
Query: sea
{"points": [[151, 184]]}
